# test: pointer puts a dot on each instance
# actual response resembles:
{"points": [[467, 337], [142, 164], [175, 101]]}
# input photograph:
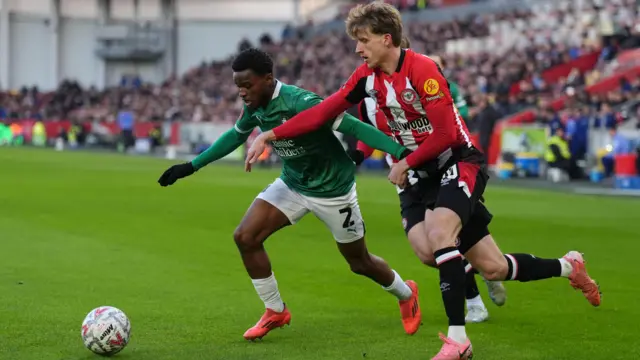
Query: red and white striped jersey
{"points": [[370, 113], [417, 106]]}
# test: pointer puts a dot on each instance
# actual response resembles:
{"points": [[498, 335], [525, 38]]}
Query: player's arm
{"points": [[362, 150], [442, 114], [459, 100], [228, 142], [223, 146], [365, 150], [366, 133], [314, 117]]}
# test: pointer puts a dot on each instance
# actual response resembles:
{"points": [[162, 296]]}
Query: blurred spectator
{"points": [[577, 133], [557, 154], [322, 63]]}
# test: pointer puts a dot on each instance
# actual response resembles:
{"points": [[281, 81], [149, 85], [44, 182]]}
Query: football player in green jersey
{"points": [[317, 177]]}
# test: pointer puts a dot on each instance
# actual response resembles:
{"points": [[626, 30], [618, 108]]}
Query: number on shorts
{"points": [[347, 220], [451, 173]]}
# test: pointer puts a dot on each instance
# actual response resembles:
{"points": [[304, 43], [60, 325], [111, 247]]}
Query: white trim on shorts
{"points": [[340, 214]]}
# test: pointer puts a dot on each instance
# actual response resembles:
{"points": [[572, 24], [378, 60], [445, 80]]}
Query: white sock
{"points": [[476, 301], [267, 289], [457, 334], [566, 268], [399, 288]]}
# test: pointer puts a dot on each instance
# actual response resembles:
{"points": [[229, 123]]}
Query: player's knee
{"points": [[495, 270], [443, 226], [427, 259], [245, 240], [420, 245], [440, 238]]}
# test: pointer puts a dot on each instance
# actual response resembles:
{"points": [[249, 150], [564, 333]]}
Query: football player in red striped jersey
{"points": [[413, 218]]}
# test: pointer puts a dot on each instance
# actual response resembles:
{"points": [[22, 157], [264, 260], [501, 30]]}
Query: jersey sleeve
{"points": [[306, 100], [376, 139], [364, 117], [437, 102], [223, 146], [314, 117], [227, 142], [245, 123]]}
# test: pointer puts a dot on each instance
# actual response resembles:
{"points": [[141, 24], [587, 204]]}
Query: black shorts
{"points": [[460, 190]]}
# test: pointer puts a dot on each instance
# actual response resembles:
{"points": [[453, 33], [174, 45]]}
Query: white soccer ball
{"points": [[106, 330]]}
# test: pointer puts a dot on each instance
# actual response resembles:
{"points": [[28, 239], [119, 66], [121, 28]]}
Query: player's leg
{"points": [[473, 232], [460, 188], [343, 218], [487, 258], [273, 209], [414, 201]]}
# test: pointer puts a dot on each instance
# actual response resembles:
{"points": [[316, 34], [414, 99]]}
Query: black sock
{"points": [[470, 285], [526, 267], [452, 279]]}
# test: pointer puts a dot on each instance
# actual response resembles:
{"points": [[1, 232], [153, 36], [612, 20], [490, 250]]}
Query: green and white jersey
{"points": [[458, 100], [314, 164]]}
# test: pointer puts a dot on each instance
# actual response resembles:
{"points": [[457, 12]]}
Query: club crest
{"points": [[409, 96]]}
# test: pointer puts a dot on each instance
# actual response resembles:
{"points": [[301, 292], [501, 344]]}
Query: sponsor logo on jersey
{"points": [[409, 96], [372, 93], [420, 125], [431, 86], [287, 148], [435, 97]]}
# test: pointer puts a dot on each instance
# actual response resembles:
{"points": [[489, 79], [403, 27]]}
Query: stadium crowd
{"points": [[322, 63]]}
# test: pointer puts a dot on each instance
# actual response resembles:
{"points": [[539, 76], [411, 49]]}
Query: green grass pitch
{"points": [[81, 230]]}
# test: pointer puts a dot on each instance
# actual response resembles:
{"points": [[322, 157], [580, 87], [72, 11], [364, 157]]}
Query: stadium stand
{"points": [[550, 63]]}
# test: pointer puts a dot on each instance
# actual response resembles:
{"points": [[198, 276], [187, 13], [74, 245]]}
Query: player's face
{"points": [[252, 88], [372, 48]]}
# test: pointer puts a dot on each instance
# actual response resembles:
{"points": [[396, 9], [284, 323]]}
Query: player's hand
{"points": [[172, 174], [398, 173], [257, 148]]}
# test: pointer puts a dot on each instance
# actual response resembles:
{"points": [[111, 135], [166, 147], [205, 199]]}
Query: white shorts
{"points": [[340, 214]]}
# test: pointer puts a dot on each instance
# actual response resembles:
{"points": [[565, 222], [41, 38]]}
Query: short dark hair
{"points": [[255, 60]]}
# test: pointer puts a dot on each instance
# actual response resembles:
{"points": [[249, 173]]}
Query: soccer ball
{"points": [[106, 330]]}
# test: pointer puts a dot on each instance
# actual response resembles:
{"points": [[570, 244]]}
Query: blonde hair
{"points": [[378, 17], [405, 43], [438, 60]]}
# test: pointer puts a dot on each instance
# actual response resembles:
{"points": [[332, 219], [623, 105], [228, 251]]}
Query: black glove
{"points": [[172, 174], [357, 156]]}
